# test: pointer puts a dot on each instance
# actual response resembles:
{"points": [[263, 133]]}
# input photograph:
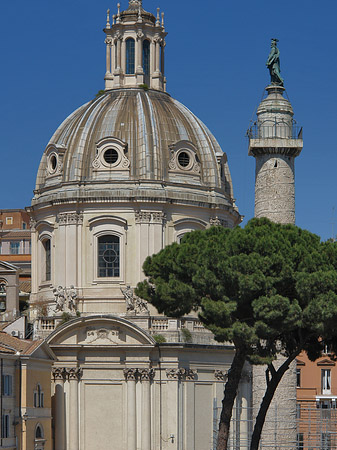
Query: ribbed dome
{"points": [[149, 123]]}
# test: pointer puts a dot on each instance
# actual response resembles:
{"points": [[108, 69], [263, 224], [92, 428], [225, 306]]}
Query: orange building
{"points": [[15, 246], [25, 394], [316, 403]]}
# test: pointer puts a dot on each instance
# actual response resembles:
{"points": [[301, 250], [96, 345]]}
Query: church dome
{"points": [[130, 135], [124, 175]]}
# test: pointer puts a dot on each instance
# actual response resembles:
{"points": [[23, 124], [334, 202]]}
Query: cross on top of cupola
{"points": [[135, 4], [135, 41]]}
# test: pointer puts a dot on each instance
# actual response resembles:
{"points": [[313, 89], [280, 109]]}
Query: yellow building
{"points": [[25, 397]]}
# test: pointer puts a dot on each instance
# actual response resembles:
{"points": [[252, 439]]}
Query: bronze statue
{"points": [[273, 64]]}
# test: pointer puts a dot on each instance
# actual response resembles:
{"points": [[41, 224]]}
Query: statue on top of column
{"points": [[273, 64]]}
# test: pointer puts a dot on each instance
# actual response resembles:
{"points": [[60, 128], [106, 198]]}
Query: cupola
{"points": [[135, 43]]}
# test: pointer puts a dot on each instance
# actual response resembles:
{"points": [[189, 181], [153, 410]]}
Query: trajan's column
{"points": [[275, 141]]}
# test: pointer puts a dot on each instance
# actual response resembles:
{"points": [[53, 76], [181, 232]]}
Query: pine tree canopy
{"points": [[264, 287]]}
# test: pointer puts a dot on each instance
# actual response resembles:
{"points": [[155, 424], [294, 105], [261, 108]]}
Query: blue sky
{"points": [[53, 60]]}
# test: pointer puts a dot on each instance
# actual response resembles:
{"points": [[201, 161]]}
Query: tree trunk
{"points": [[276, 376], [231, 389]]}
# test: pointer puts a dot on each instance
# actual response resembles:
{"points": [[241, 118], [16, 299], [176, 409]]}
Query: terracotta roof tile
{"points": [[25, 347], [25, 286], [21, 234]]}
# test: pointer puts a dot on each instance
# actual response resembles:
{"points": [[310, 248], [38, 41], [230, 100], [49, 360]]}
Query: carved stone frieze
{"points": [[181, 374], [70, 218], [147, 217], [220, 375], [142, 217], [158, 217], [102, 334]]}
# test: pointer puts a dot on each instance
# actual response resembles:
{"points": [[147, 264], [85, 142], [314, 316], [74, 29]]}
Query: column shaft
{"points": [[108, 57], [146, 415], [59, 416], [157, 57], [119, 53], [73, 415], [132, 422]]}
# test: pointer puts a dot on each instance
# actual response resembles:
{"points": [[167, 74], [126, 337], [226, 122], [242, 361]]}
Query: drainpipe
{"points": [[1, 394], [20, 398]]}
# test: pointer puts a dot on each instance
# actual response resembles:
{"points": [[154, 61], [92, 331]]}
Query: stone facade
{"points": [[112, 383], [122, 177]]}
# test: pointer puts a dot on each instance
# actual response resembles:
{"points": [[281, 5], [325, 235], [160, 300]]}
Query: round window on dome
{"points": [[53, 162], [111, 156], [184, 159]]}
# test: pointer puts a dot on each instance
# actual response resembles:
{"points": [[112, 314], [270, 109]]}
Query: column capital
{"points": [[146, 374], [59, 373], [181, 374], [131, 374], [74, 373], [220, 375]]}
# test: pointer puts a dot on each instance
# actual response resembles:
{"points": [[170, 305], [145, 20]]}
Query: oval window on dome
{"points": [[111, 156], [52, 163], [184, 159]]}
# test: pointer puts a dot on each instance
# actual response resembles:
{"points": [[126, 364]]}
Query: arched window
{"points": [[46, 245], [3, 288], [39, 432], [115, 55], [146, 57], [130, 56], [108, 256], [38, 397]]}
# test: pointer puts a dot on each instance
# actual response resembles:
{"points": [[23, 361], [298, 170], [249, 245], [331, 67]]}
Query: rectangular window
{"points": [[9, 220], [14, 247], [326, 381], [24, 225], [300, 445], [108, 256], [298, 377], [6, 385], [46, 244], [5, 426], [325, 441], [130, 56]]}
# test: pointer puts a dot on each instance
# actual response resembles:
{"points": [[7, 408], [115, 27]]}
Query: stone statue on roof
{"points": [[273, 64]]}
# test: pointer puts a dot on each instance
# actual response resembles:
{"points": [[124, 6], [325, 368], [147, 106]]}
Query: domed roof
{"points": [[147, 130]]}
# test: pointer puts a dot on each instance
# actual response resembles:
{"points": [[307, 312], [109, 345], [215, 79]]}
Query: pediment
{"points": [[98, 331], [326, 362], [299, 362], [6, 267]]}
